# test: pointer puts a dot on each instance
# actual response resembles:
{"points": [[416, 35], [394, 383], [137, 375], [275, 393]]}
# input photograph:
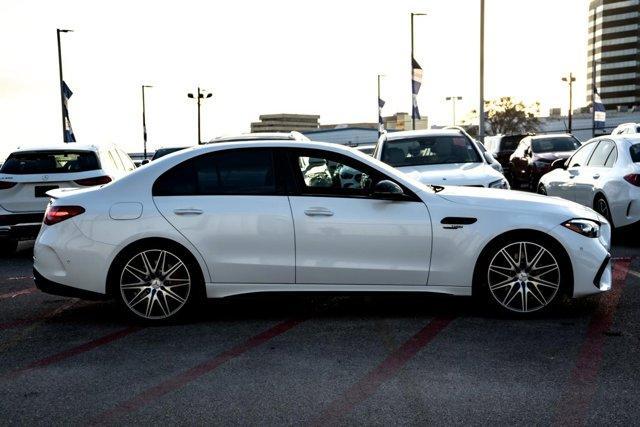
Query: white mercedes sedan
{"points": [[604, 174], [234, 218]]}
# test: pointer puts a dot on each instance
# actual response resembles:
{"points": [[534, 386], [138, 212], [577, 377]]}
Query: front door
{"points": [[232, 207], [346, 236]]}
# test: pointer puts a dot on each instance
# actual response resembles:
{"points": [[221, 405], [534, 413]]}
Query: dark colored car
{"points": [[535, 154], [502, 147]]}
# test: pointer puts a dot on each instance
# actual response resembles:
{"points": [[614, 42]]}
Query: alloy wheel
{"points": [[523, 277], [155, 284], [602, 207]]}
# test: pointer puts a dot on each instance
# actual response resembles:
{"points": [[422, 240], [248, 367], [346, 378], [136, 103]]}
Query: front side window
{"points": [[634, 151], [39, 162], [233, 172], [553, 144], [581, 156], [430, 150], [601, 153]]}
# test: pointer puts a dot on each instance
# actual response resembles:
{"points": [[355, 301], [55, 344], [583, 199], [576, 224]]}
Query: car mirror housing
{"points": [[388, 190], [559, 163]]}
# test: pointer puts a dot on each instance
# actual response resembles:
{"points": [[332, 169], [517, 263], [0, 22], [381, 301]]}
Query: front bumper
{"points": [[21, 226]]}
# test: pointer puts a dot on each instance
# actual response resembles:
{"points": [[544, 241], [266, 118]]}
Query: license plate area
{"points": [[42, 189]]}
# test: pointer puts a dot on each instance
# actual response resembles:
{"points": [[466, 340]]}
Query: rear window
{"points": [[510, 142], [429, 150], [34, 162], [634, 150], [549, 145]]}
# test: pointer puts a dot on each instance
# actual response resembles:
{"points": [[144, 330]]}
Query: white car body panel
{"points": [[404, 247], [582, 184], [464, 174]]}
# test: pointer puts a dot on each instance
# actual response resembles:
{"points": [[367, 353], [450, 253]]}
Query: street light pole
{"points": [[413, 116], [379, 108], [453, 100], [593, 76], [144, 121], [62, 107], [570, 79], [200, 95], [481, 108]]}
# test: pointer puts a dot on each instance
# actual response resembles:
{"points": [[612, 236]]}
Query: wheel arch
{"points": [[146, 242], [521, 233]]}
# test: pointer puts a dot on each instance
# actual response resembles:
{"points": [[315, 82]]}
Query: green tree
{"points": [[505, 116]]}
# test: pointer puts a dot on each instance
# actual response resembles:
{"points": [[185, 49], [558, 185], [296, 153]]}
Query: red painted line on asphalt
{"points": [[367, 386], [581, 387], [82, 348], [26, 291], [183, 378]]}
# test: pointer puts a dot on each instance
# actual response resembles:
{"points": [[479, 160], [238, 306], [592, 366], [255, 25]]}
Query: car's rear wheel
{"points": [[8, 246], [156, 283], [523, 274], [601, 206]]}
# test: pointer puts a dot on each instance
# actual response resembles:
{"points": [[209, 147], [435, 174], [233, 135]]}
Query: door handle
{"points": [[188, 211], [596, 176], [318, 212]]}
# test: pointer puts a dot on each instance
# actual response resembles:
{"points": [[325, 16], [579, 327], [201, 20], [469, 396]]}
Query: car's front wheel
{"points": [[542, 190], [156, 283], [524, 274]]}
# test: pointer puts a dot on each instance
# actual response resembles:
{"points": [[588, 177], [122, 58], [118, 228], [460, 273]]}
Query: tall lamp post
{"points": [[144, 121], [570, 79], [413, 116], [199, 96], [453, 100], [62, 100], [481, 108]]}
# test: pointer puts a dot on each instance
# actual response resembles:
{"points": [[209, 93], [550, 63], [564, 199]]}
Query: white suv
{"points": [[439, 157], [29, 172]]}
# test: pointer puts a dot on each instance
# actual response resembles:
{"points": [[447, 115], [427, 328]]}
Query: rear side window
{"points": [[235, 172], [39, 162], [634, 151], [601, 153]]}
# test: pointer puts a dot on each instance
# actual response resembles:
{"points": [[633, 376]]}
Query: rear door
{"points": [[33, 173], [231, 205], [596, 171], [562, 183]]}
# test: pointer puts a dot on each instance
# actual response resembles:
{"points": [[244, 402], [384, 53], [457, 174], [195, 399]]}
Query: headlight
{"points": [[501, 183], [586, 227]]}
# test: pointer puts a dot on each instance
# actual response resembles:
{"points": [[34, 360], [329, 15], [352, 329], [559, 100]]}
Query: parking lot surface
{"points": [[321, 359]]}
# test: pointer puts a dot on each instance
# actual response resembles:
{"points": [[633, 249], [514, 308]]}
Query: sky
{"points": [[280, 56]]}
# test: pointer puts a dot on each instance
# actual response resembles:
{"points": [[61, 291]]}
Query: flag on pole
{"points": [[599, 112], [380, 121], [68, 131], [416, 80]]}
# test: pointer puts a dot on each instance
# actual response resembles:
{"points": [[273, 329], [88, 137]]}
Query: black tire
{"points": [[502, 289], [135, 287], [8, 247], [601, 206], [542, 190]]}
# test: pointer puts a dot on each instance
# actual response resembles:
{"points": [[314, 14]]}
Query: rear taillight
{"points": [[56, 214], [633, 179], [98, 180], [5, 185]]}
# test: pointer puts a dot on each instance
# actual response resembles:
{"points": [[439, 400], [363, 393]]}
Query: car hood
{"points": [[512, 202], [453, 174], [554, 155]]}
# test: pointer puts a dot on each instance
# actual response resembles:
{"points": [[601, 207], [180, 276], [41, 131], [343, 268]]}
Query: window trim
{"points": [[583, 147], [278, 177], [601, 141], [300, 188]]}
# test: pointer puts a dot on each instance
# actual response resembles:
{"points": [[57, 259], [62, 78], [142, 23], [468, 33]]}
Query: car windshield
{"points": [[33, 162], [558, 143], [634, 150], [510, 142], [164, 151], [429, 150]]}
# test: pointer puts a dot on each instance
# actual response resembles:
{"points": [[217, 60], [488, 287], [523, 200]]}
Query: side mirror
{"points": [[314, 162], [559, 163], [388, 189], [144, 162]]}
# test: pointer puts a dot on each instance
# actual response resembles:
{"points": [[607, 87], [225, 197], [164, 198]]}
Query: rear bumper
{"points": [[51, 287], [20, 226]]}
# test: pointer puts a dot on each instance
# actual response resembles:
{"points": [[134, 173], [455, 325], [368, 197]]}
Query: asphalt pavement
{"points": [[283, 359]]}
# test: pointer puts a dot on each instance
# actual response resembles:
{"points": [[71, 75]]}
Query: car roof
{"points": [[62, 147], [423, 132], [260, 136], [552, 135]]}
